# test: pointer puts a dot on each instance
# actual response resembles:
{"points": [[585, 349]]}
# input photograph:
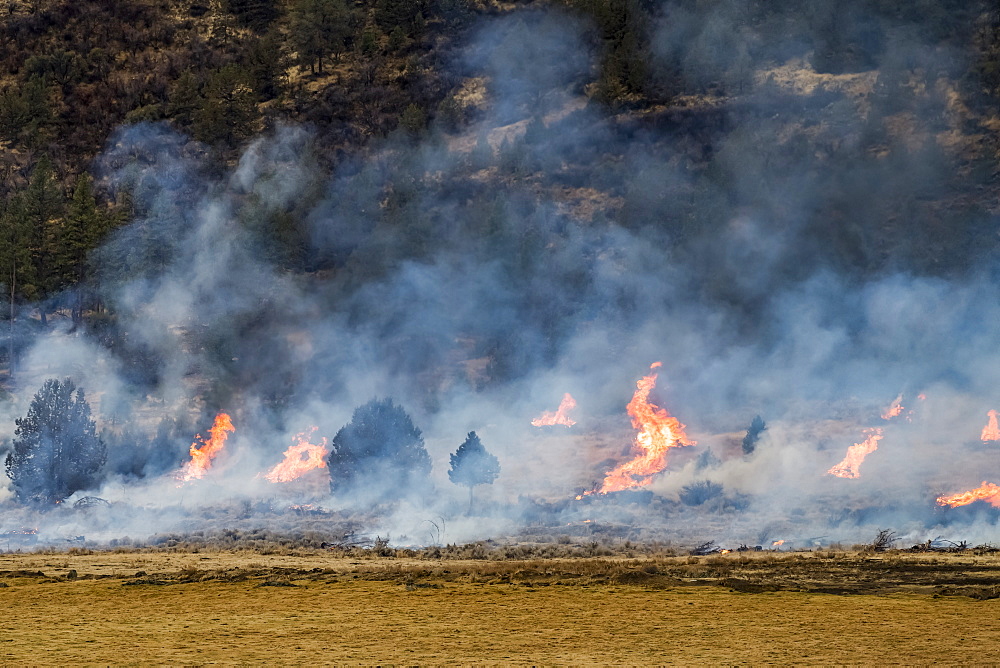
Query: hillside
{"points": [[281, 210]]}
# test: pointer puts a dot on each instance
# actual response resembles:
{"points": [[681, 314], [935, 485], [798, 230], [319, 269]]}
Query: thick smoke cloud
{"points": [[445, 274]]}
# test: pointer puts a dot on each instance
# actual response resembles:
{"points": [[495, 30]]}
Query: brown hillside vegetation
{"points": [[319, 608]]}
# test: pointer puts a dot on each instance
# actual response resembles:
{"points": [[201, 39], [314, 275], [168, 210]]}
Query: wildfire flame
{"points": [[894, 409], [658, 433], [848, 468], [203, 454], [988, 492], [777, 543], [560, 416], [991, 432], [299, 459]]}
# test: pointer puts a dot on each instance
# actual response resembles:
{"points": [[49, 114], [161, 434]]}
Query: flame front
{"points": [[988, 492], [658, 433], [203, 451], [299, 459], [778, 543], [560, 416], [856, 454], [894, 409], [991, 432]]}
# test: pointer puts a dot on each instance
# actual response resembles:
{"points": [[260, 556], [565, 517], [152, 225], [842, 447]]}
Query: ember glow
{"points": [[991, 432], [894, 409], [658, 433], [203, 451], [988, 492], [849, 467], [560, 416], [299, 459]]}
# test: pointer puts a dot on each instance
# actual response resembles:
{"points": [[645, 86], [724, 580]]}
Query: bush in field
{"points": [[379, 454], [698, 493], [56, 450]]}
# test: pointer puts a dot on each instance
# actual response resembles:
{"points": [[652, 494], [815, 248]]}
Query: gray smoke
{"points": [[447, 275]]}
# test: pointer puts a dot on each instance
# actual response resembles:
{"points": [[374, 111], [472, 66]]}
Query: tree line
{"points": [[378, 456]]}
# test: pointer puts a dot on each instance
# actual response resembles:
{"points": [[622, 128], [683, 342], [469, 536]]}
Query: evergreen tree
{"points": [[42, 209], [320, 28], [184, 99], [255, 14], [228, 112], [753, 433], [83, 229], [472, 465], [380, 454], [15, 262], [56, 450]]}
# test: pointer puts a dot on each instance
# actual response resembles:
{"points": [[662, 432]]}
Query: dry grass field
{"points": [[318, 607]]}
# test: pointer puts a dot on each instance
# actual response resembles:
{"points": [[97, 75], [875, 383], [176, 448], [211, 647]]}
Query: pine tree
{"points": [[753, 433], [42, 209], [472, 465], [228, 112], [380, 454], [320, 28], [56, 450], [83, 229], [15, 262]]}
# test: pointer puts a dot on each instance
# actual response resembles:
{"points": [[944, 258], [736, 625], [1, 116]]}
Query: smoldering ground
{"points": [[553, 246]]}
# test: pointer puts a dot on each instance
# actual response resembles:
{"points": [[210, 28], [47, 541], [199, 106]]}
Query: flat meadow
{"points": [[310, 606]]}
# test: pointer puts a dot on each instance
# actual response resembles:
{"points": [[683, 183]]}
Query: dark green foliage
{"points": [[757, 426], [228, 112], [698, 493], [413, 119], [320, 28], [42, 207], [407, 15], [255, 14], [56, 450], [379, 455], [265, 62], [24, 110]]}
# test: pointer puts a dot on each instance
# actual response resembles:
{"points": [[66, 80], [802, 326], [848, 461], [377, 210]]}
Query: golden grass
{"points": [[234, 608]]}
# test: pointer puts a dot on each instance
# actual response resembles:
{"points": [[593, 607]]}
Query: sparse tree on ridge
{"points": [[56, 450], [473, 465]]}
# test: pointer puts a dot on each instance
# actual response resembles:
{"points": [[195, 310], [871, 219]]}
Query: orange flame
{"points": [[299, 459], [548, 418], [658, 433], [988, 492], [991, 432], [894, 409], [848, 468], [201, 457], [777, 543]]}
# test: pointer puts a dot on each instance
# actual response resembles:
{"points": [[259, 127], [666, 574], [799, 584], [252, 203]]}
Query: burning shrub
{"points": [[379, 451], [698, 493], [56, 450]]}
